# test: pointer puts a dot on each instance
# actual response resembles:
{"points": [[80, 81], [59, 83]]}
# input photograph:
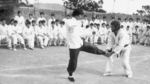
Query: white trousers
{"points": [[103, 38], [16, 38], [43, 40], [30, 40], [8, 40], [93, 39], [125, 54]]}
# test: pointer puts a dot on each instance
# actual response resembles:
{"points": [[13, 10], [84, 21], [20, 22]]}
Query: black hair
{"points": [[15, 21], [128, 26], [19, 12], [62, 22], [116, 24], [56, 20], [98, 24], [87, 26], [136, 26], [104, 17], [103, 24], [40, 22], [77, 12], [33, 21], [41, 13], [27, 22], [85, 15], [30, 14], [91, 24], [119, 18], [52, 14], [12, 20], [52, 22]]}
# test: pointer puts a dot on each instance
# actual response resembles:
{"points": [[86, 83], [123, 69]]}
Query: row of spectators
{"points": [[44, 33]]}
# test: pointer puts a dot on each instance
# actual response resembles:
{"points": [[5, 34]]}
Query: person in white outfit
{"points": [[42, 36], [51, 19], [31, 18], [41, 18], [118, 46], [20, 19], [4, 35], [17, 36], [62, 33], [28, 34]]}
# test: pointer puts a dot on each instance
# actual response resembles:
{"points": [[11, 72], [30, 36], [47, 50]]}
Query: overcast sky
{"points": [[120, 6]]}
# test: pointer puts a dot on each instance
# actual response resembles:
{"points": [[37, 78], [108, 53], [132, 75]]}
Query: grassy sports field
{"points": [[48, 66]]}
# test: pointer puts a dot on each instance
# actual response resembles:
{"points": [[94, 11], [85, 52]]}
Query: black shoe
{"points": [[71, 79]]}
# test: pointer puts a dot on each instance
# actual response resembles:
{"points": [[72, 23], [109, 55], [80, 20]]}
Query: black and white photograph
{"points": [[74, 41]]}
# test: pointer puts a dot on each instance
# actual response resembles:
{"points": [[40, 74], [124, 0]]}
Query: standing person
{"points": [[53, 18], [76, 44], [118, 46], [20, 19], [31, 18], [41, 18]]}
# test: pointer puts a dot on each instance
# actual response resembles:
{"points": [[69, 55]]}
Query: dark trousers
{"points": [[87, 47]]}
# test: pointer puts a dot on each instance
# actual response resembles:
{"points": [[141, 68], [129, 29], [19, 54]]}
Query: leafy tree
{"points": [[141, 12], [87, 5]]}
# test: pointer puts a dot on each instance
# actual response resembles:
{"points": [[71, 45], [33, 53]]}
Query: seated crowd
{"points": [[44, 33]]}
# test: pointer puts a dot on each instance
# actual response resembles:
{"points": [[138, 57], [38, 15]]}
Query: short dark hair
{"points": [[30, 14], [27, 22], [116, 24], [41, 13], [91, 24], [15, 21], [77, 12], [12, 20], [33, 21], [52, 14], [87, 26], [62, 22], [19, 12], [52, 22], [136, 26]]}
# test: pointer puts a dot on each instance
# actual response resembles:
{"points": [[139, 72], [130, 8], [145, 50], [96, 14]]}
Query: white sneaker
{"points": [[129, 76], [107, 74], [42, 47], [25, 48], [14, 49]]}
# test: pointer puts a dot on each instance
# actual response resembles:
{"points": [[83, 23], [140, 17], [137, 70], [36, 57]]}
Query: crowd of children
{"points": [[52, 32]]}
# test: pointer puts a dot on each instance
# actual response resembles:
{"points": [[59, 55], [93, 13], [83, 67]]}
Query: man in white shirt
{"points": [[62, 33], [41, 18], [53, 18], [20, 19], [17, 36], [76, 44], [31, 18], [4, 33], [42, 35], [85, 21], [28, 34], [118, 45], [103, 33], [146, 37]]}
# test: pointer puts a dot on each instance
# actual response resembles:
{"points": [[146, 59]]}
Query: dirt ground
{"points": [[48, 66]]}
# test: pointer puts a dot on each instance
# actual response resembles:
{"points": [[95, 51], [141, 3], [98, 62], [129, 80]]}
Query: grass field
{"points": [[48, 66]]}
